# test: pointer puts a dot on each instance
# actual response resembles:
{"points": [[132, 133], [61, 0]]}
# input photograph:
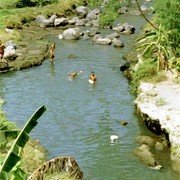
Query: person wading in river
{"points": [[92, 78], [51, 52], [2, 47]]}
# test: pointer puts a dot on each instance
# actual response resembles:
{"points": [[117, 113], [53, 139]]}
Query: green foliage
{"points": [[10, 167], [110, 13], [167, 14], [16, 18], [163, 43], [4, 124], [25, 3], [7, 4], [94, 3], [145, 71], [107, 18], [156, 41]]}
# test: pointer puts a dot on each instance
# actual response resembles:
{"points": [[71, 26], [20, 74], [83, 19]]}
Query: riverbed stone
{"points": [[145, 155], [123, 123], [95, 23], [145, 140], [91, 16], [103, 41], [43, 22], [159, 146], [81, 11], [128, 29], [92, 32], [71, 34], [97, 36], [143, 8], [60, 21], [113, 35], [73, 20], [10, 51], [122, 10], [117, 43], [80, 22]]}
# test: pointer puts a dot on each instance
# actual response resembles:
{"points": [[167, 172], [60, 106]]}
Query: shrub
{"points": [[110, 13], [167, 13], [146, 71]]}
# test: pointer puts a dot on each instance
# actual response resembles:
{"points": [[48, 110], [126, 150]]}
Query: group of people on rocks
{"points": [[92, 77]]}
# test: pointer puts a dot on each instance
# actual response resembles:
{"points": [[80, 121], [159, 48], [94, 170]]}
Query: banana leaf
{"points": [[13, 155]]}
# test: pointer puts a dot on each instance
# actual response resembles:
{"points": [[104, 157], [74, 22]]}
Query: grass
{"points": [[16, 17], [146, 71]]}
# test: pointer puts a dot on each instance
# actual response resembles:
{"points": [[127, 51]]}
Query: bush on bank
{"points": [[160, 45], [24, 3]]}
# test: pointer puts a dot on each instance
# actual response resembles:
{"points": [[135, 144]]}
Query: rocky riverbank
{"points": [[159, 105]]}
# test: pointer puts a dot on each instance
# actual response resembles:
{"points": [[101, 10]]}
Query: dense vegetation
{"points": [[159, 45], [25, 3]]}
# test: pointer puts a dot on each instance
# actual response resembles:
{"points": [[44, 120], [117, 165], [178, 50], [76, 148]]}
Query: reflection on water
{"points": [[52, 69]]}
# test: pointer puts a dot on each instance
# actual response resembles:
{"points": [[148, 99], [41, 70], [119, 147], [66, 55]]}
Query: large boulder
{"points": [[73, 20], [103, 41], [128, 29], [43, 22], [80, 22], [91, 15], [10, 51], [113, 35], [97, 36], [81, 11], [60, 21], [145, 155], [71, 33], [117, 43], [95, 23], [92, 32], [125, 28], [145, 140]]}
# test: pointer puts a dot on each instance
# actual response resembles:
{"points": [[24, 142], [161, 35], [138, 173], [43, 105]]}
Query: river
{"points": [[81, 117]]}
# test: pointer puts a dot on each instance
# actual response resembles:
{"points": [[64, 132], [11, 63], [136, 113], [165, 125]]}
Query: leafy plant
{"points": [[145, 71], [162, 41], [110, 12], [156, 43], [94, 3], [10, 169]]}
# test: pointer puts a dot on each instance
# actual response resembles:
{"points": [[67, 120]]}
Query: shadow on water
{"points": [[80, 117]]}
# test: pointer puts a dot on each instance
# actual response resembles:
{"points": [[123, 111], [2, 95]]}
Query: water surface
{"points": [[81, 117]]}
